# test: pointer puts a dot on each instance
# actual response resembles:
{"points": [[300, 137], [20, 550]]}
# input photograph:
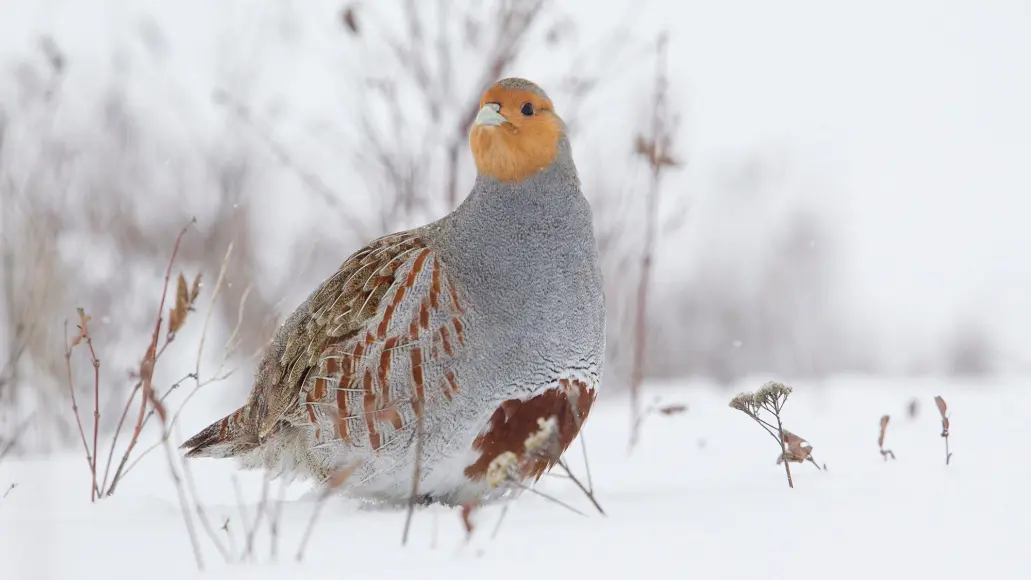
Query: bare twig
{"points": [[253, 529], [118, 431], [184, 504], [148, 363], [94, 491], [416, 475], [18, 432], [576, 481], [273, 524], [202, 515], [84, 333], [783, 448], [334, 481], [656, 149], [655, 407], [310, 180]]}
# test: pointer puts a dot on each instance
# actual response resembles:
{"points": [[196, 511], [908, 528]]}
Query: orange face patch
{"points": [[525, 145]]}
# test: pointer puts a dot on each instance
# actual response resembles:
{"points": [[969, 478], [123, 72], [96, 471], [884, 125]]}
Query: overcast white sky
{"points": [[919, 110]]}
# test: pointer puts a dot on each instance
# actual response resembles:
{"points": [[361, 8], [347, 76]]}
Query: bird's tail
{"points": [[227, 437]]}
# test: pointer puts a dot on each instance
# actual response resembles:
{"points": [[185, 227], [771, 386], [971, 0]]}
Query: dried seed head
{"points": [[502, 469], [771, 392], [545, 438], [744, 402]]}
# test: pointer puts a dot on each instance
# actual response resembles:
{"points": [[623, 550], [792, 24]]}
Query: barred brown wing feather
{"points": [[337, 310], [369, 384]]}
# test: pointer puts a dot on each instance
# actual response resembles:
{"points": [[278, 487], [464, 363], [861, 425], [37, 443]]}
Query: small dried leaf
{"points": [[673, 409], [942, 408], [913, 408], [83, 321], [147, 368], [159, 407], [195, 289], [177, 314], [798, 449], [350, 20]]}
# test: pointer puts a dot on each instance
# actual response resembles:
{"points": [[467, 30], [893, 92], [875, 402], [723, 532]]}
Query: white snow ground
{"points": [[700, 498]]}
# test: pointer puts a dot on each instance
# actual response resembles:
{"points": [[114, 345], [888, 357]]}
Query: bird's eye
{"points": [[527, 109]]}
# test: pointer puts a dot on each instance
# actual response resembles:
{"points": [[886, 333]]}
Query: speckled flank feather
{"points": [[481, 323]]}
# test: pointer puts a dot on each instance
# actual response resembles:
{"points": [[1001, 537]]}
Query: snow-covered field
{"points": [[701, 497]]}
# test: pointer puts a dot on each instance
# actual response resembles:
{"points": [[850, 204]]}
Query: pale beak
{"points": [[489, 116]]}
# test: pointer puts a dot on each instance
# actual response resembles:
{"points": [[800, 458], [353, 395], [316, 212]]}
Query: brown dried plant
{"points": [[943, 409], [885, 453], [656, 149], [771, 398], [151, 404], [798, 450]]}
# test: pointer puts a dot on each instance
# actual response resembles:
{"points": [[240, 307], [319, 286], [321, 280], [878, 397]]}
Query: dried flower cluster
{"points": [[771, 398]]}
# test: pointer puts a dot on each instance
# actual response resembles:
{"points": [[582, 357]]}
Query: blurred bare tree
{"points": [[94, 187]]}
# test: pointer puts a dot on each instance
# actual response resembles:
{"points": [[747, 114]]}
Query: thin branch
{"points": [[784, 450], [18, 432], [184, 505], [96, 401], [253, 530], [589, 493], [656, 149], [334, 481], [415, 476], [310, 180], [551, 499], [95, 491], [148, 363], [118, 431], [202, 515]]}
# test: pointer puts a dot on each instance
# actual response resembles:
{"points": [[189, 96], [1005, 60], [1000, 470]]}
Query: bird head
{"points": [[516, 132]]}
